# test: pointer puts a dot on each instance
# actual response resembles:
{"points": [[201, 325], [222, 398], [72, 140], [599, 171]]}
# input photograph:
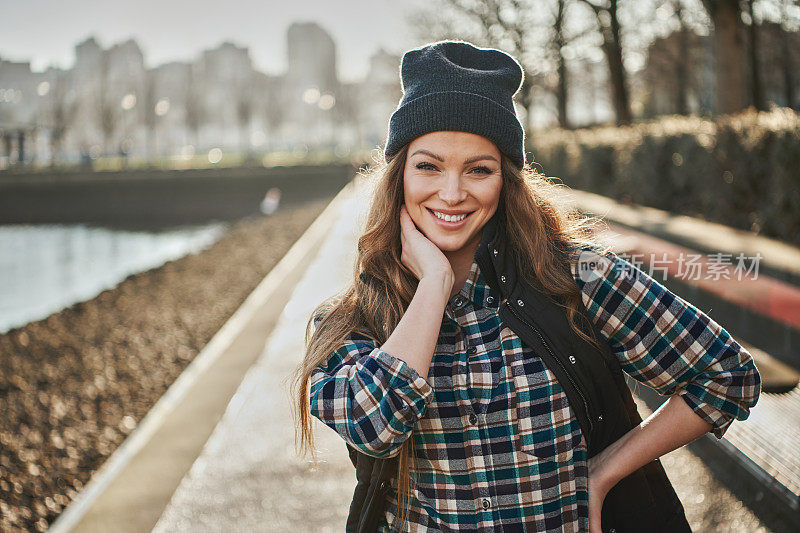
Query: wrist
{"points": [[607, 466], [440, 283]]}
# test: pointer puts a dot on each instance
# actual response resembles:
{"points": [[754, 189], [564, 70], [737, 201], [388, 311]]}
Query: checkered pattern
{"points": [[668, 344], [497, 444]]}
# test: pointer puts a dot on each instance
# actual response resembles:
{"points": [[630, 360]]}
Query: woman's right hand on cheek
{"points": [[419, 254]]}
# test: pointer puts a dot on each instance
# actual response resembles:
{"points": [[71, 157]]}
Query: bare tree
{"points": [[538, 33], [772, 45], [681, 65], [755, 76], [557, 43], [785, 52], [605, 12], [726, 18]]}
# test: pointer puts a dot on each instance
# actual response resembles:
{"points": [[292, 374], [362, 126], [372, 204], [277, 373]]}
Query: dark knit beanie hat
{"points": [[456, 86]]}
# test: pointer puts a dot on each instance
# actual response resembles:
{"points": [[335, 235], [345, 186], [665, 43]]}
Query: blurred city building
{"points": [[110, 104]]}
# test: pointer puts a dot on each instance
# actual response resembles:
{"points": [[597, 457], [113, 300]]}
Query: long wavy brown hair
{"points": [[540, 231]]}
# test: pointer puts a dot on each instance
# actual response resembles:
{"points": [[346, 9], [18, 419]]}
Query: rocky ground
{"points": [[72, 386]]}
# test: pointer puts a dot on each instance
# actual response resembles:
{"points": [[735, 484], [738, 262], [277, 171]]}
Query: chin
{"points": [[448, 244], [449, 248]]}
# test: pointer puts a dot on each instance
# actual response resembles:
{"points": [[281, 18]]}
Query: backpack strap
{"points": [[373, 479]]}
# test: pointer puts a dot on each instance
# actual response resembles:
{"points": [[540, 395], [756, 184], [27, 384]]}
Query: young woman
{"points": [[463, 345]]}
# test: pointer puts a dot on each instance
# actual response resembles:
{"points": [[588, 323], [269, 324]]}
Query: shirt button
{"points": [[494, 251], [458, 301], [599, 418], [486, 504], [503, 278], [472, 350], [490, 299], [473, 418], [572, 359], [520, 303]]}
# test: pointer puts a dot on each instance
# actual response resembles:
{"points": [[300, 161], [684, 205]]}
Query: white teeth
{"points": [[450, 218]]}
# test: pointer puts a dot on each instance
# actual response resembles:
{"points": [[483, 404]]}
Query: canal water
{"points": [[47, 267]]}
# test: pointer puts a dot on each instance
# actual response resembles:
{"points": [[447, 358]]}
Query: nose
{"points": [[451, 191]]}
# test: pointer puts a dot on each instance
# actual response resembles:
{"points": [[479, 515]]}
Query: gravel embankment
{"points": [[72, 386]]}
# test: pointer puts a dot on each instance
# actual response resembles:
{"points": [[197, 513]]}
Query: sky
{"points": [[45, 32]]}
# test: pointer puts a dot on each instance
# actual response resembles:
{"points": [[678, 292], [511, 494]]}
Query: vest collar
{"points": [[496, 264]]}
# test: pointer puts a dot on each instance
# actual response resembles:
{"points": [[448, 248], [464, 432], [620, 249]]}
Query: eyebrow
{"points": [[467, 162]]}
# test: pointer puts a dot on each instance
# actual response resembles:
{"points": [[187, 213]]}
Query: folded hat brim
{"points": [[457, 111]]}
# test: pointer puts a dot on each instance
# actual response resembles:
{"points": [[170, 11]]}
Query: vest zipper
{"points": [[557, 360]]}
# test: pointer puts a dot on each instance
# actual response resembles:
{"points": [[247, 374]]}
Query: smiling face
{"points": [[452, 183]]}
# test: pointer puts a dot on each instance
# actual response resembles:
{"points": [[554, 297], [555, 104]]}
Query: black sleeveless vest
{"points": [[595, 387]]}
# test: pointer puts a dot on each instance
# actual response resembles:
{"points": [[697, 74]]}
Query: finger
{"points": [[403, 216], [408, 223]]}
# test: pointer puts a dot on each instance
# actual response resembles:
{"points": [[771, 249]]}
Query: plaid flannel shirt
{"points": [[496, 443]]}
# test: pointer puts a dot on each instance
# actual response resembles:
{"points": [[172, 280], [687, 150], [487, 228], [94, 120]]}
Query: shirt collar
{"points": [[475, 290]]}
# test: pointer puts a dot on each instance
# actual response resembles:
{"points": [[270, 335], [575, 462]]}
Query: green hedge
{"points": [[740, 170]]}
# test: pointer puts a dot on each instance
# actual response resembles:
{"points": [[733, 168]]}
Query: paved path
{"points": [[248, 477]]}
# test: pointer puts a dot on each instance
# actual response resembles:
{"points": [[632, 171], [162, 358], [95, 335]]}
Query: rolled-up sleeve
{"points": [[371, 398], [667, 343]]}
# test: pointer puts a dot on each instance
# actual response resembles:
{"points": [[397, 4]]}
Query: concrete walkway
{"points": [[248, 477]]}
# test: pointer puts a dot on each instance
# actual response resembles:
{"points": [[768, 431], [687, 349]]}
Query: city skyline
{"points": [[110, 102], [359, 29]]}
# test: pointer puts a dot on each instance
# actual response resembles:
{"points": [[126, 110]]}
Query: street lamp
{"points": [[326, 101], [128, 101], [311, 95]]}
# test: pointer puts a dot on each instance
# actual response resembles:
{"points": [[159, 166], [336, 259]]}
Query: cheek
{"points": [[413, 192], [407, 189], [490, 196]]}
